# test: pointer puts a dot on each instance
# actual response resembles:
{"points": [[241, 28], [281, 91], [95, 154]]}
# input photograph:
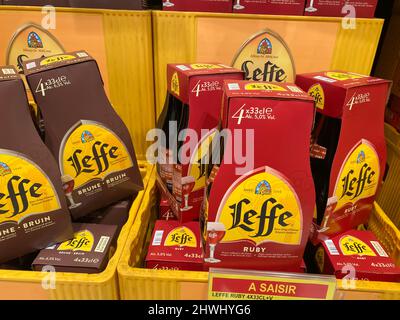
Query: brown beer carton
{"points": [[356, 255], [91, 143], [175, 246], [258, 217], [193, 103], [88, 252], [349, 130], [117, 214], [33, 210]]}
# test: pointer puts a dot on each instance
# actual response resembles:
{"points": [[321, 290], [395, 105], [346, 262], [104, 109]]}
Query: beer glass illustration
{"points": [[238, 6], [187, 187], [215, 233], [311, 7], [330, 207], [68, 186], [168, 4]]}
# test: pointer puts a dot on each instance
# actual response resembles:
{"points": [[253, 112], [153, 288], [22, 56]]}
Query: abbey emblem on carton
{"points": [[25, 190], [266, 57], [31, 41], [92, 156]]}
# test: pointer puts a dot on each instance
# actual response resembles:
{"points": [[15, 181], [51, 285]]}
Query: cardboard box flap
{"points": [[264, 90], [196, 69], [179, 76], [343, 79], [46, 63], [8, 73]]}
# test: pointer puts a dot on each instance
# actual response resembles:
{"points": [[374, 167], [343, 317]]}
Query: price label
{"points": [[253, 285]]}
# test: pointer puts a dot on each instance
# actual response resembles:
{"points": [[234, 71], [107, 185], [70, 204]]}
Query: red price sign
{"points": [[245, 285]]}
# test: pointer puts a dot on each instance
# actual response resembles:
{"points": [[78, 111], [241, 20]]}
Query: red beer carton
{"points": [[259, 217], [303, 267], [165, 212], [277, 7], [175, 246], [358, 254], [349, 127], [198, 5], [193, 102], [340, 8]]}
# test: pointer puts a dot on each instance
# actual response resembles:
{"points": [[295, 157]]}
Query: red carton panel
{"points": [[175, 246], [358, 249], [276, 7], [165, 212], [340, 8], [259, 217], [198, 5]]}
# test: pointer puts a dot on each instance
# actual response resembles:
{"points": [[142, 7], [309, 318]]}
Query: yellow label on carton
{"points": [[266, 57], [54, 59], [359, 176], [175, 84], [25, 190], [264, 86], [82, 241], [340, 76], [197, 167], [353, 246], [262, 207], [182, 236], [317, 92], [201, 66], [92, 151], [31, 41]]}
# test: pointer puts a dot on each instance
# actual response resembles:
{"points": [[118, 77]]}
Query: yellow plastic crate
{"points": [[389, 197], [197, 36], [137, 282], [28, 284]]}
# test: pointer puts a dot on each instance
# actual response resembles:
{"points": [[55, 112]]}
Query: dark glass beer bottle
{"points": [[174, 114], [325, 134]]}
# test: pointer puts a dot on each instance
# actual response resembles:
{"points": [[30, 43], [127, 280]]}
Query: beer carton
{"points": [[278, 7], [175, 246], [193, 103], [165, 212], [348, 147], [33, 209], [198, 5], [117, 214], [259, 218], [91, 143], [335, 8], [88, 252], [357, 254]]}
